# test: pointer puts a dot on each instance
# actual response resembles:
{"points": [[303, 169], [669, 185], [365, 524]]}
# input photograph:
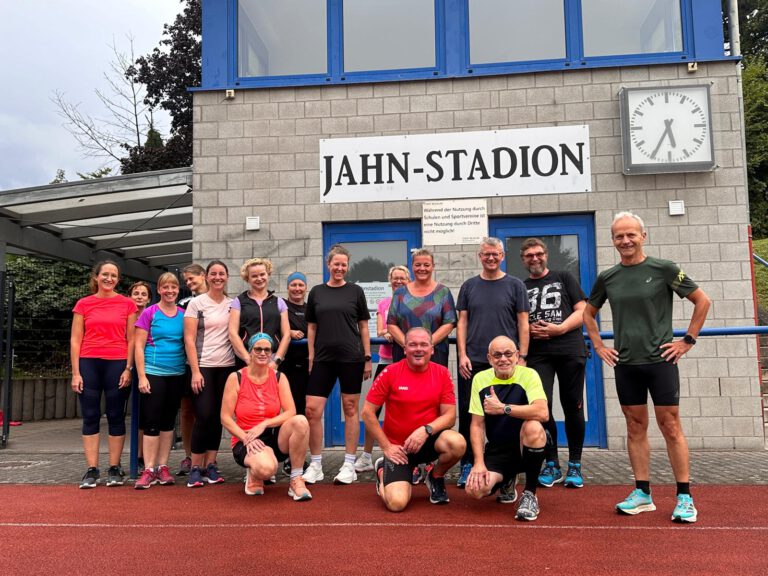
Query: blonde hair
{"points": [[266, 262], [167, 278], [401, 268], [337, 250], [422, 252]]}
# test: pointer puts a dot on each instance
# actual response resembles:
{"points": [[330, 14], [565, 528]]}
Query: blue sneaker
{"points": [[573, 478], [550, 474], [195, 478], [212, 475], [685, 511], [637, 501], [464, 475]]}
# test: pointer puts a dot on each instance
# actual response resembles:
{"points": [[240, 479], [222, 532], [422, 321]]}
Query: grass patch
{"points": [[760, 248]]}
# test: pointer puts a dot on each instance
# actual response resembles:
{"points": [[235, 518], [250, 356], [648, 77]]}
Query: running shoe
{"points": [[115, 476], [346, 474], [195, 479], [212, 475], [466, 468], [573, 478], [253, 487], [164, 477], [528, 509], [298, 490], [379, 466], [185, 467], [271, 480], [508, 492], [90, 478], [364, 463], [437, 492], [550, 474], [418, 474], [314, 473], [684, 511], [148, 477], [637, 501]]}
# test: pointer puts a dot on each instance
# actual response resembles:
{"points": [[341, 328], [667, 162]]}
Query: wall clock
{"points": [[666, 129]]}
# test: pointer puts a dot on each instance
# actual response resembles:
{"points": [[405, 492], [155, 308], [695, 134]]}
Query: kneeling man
{"points": [[420, 412], [508, 406]]}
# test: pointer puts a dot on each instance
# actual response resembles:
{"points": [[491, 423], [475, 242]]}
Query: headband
{"points": [[296, 276], [260, 336]]}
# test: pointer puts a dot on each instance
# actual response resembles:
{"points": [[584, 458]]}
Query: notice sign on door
{"points": [[454, 222]]}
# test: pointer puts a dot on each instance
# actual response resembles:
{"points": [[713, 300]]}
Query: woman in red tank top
{"points": [[259, 412]]}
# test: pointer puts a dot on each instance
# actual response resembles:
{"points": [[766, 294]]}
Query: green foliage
{"points": [[760, 248], [100, 173], [154, 140], [755, 85], [753, 25], [60, 178]]}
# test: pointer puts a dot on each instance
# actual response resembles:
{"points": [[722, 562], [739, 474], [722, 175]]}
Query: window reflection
{"points": [[563, 254]]}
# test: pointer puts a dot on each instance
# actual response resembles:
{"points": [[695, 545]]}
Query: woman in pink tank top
{"points": [[259, 412]]}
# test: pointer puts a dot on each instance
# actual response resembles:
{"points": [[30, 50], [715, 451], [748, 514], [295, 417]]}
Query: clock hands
{"points": [[667, 132]]}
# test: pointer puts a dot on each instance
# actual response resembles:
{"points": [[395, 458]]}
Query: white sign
{"points": [[453, 222], [375, 292], [456, 165]]}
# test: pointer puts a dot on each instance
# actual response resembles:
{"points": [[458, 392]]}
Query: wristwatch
{"points": [[507, 409], [428, 428], [688, 339], [367, 357]]}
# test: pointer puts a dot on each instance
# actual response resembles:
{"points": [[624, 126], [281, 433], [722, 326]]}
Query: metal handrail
{"points": [[759, 260]]}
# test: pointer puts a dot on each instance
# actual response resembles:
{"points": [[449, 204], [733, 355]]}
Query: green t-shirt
{"points": [[641, 302]]}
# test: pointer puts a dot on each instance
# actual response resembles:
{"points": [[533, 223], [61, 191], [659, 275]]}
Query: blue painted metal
{"points": [[759, 260]]}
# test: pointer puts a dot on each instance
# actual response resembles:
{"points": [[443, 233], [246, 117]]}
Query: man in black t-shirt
{"points": [[557, 348]]}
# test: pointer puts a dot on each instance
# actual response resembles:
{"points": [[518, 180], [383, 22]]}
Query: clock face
{"points": [[667, 129]]}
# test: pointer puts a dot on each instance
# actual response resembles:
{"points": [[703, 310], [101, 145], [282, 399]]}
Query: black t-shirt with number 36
{"points": [[552, 298]]}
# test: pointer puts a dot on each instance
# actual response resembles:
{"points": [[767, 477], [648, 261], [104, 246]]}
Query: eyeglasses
{"points": [[260, 350], [505, 354], [538, 255], [491, 254]]}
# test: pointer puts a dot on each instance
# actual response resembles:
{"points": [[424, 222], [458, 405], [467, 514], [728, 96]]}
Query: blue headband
{"points": [[260, 336], [296, 276]]}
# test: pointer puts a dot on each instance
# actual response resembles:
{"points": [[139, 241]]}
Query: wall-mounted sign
{"points": [[456, 165], [453, 222]]}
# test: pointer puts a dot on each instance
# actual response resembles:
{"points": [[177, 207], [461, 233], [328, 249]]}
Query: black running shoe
{"points": [[437, 492]]}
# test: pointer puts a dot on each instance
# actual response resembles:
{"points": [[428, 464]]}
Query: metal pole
{"points": [[6, 397], [134, 457], [8, 364]]}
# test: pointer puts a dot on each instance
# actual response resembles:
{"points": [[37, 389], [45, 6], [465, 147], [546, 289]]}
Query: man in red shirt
{"points": [[420, 414]]}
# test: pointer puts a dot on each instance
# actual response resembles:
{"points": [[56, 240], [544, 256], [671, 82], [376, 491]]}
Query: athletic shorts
{"points": [[269, 437], [323, 378], [506, 459], [635, 381], [404, 472]]}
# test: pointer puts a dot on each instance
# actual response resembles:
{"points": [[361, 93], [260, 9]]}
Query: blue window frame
{"points": [[700, 20]]}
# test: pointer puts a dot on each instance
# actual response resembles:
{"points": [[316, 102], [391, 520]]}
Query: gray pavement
{"points": [[50, 452]]}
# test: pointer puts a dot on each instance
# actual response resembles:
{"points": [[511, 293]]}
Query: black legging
{"points": [[158, 408], [465, 418], [206, 434], [570, 376], [103, 376], [297, 373]]}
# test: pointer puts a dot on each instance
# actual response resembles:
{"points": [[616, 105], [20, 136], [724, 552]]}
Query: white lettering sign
{"points": [[454, 222], [456, 165]]}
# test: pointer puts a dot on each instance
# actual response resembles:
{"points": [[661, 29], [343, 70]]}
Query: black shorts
{"points": [[404, 472], [323, 378], [635, 381], [506, 459], [269, 437]]}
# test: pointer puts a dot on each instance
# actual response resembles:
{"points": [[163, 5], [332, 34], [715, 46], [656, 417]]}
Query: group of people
{"points": [[232, 361]]}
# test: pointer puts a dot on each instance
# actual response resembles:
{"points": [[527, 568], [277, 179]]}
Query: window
{"points": [[282, 37], [637, 27], [389, 34], [503, 31]]}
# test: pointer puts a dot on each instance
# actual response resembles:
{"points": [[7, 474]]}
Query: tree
{"points": [[755, 86], [166, 73]]}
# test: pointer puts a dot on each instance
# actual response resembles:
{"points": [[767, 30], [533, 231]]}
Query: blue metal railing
{"points": [[759, 260]]}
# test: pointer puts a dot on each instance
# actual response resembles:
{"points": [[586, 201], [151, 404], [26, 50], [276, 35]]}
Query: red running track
{"points": [[345, 530]]}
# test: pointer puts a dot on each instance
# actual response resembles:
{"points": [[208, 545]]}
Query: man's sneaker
{"points": [[115, 476], [195, 479], [164, 477], [637, 501], [148, 477], [364, 463], [550, 474], [90, 478], [212, 475], [508, 492], [464, 475], [528, 509], [437, 492], [185, 467], [253, 487], [684, 511], [573, 478], [379, 477], [314, 473], [346, 474], [417, 474], [298, 490]]}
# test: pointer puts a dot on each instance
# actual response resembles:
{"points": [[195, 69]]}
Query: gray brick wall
{"points": [[257, 155]]}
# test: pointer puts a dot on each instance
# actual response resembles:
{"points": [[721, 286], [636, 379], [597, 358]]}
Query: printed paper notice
{"points": [[452, 222]]}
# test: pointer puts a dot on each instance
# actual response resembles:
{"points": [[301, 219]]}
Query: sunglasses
{"points": [[260, 350]]}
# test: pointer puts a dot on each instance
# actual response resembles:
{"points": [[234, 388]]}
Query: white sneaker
{"points": [[346, 474], [364, 463], [314, 473]]}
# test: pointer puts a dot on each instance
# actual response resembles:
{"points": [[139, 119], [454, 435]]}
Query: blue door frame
{"points": [[408, 230], [582, 226]]}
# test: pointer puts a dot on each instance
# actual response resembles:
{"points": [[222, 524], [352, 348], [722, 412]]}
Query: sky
{"points": [[48, 46]]}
